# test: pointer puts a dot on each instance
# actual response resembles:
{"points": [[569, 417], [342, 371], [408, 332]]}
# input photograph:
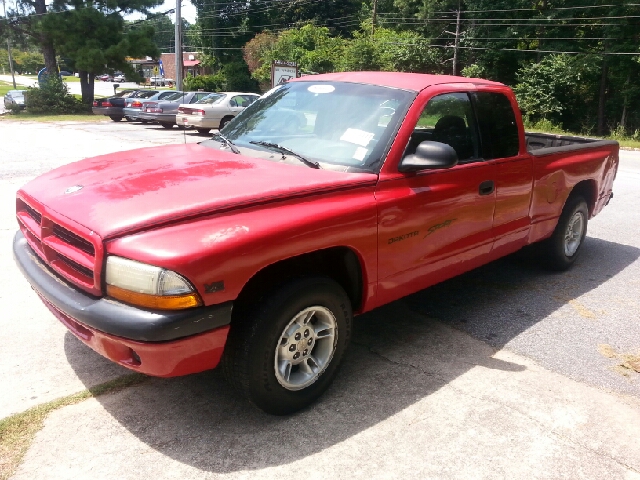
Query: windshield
{"points": [[212, 98], [174, 96], [148, 94], [336, 123]]}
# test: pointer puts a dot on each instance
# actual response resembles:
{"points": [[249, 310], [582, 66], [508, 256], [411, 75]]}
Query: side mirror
{"points": [[429, 155]]}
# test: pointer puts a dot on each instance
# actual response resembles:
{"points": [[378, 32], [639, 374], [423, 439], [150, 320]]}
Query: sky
{"points": [[188, 11]]}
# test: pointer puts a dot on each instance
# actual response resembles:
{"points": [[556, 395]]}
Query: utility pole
{"points": [[373, 18], [178, 46], [13, 75], [455, 51]]}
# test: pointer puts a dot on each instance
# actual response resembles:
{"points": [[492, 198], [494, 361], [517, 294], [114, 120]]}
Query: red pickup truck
{"points": [[329, 196]]}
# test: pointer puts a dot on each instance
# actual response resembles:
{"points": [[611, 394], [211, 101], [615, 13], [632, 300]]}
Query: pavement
{"points": [[101, 89], [505, 372]]}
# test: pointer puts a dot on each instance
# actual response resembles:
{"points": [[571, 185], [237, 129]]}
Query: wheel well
{"points": [[339, 263], [587, 190]]}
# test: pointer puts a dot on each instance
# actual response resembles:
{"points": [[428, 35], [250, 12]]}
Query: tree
{"points": [[89, 33], [94, 40]]}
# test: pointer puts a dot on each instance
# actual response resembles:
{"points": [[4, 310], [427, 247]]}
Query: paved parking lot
{"points": [[505, 372]]}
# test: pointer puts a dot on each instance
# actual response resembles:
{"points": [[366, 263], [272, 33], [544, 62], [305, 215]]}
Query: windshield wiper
{"points": [[283, 150], [227, 142]]}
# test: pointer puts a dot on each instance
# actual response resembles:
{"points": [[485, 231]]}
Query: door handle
{"points": [[486, 188]]}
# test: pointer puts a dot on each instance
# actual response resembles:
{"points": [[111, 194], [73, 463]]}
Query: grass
{"points": [[18, 431], [544, 126]]}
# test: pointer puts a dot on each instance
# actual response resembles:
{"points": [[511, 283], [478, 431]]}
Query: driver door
{"points": [[435, 224]]}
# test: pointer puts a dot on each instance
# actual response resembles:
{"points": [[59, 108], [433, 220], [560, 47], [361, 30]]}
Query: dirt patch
{"points": [[628, 364], [17, 431]]}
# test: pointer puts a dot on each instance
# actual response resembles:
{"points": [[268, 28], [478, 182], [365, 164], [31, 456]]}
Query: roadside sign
{"points": [[282, 72], [155, 70]]}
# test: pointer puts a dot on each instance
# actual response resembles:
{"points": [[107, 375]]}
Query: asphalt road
{"points": [[505, 372]]}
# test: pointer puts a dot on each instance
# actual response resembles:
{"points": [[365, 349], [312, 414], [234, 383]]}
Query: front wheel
{"points": [[167, 125], [563, 246], [285, 355], [203, 131]]}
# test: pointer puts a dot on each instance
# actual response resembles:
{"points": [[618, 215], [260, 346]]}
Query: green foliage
{"points": [[234, 77], [473, 71], [52, 97], [556, 89], [95, 41], [208, 83], [24, 62], [311, 47], [238, 79]]}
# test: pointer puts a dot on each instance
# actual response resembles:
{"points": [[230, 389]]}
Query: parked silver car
{"points": [[133, 106], [164, 111], [214, 111], [14, 97]]}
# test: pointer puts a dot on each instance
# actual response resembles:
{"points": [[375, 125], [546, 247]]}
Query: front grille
{"points": [[67, 253], [73, 239], [77, 267], [33, 214]]}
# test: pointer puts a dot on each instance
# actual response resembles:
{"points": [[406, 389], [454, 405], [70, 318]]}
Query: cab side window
{"points": [[448, 119]]}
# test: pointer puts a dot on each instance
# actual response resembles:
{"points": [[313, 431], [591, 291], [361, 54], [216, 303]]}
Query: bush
{"points": [[238, 79], [208, 83], [52, 97]]}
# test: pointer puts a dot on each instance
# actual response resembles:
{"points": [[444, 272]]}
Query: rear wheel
{"points": [[563, 247], [167, 125], [224, 121], [129, 119], [284, 355], [116, 118]]}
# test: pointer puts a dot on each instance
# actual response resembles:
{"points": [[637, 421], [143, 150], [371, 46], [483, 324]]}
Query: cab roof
{"points": [[405, 81]]}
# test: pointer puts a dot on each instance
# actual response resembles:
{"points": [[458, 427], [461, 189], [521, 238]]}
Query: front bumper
{"points": [[157, 343]]}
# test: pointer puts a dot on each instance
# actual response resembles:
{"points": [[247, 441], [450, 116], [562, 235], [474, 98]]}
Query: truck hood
{"points": [[129, 191]]}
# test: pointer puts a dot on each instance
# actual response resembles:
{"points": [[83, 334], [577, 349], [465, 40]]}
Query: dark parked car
{"points": [[133, 106], [164, 111], [64, 73], [113, 107]]}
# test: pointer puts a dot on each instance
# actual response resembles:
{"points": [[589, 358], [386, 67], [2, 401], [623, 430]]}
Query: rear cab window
{"points": [[497, 125]]}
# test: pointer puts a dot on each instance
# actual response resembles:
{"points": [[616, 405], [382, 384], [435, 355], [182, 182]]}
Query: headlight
{"points": [[148, 286]]}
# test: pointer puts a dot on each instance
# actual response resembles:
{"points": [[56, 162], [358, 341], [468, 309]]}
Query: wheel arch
{"points": [[342, 264], [586, 189]]}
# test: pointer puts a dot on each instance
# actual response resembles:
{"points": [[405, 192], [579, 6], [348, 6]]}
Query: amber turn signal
{"points": [[157, 302]]}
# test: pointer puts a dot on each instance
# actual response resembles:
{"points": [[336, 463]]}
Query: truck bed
{"points": [[539, 144]]}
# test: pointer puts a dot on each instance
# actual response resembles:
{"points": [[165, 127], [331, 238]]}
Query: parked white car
{"points": [[161, 82], [214, 110]]}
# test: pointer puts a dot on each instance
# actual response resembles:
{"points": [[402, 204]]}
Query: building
{"points": [[190, 65]]}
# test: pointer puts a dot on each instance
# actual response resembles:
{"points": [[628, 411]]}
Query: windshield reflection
{"points": [[337, 123]]}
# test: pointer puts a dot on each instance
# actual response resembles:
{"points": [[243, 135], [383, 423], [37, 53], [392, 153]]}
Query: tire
{"points": [[115, 118], [167, 125], [224, 121], [564, 245], [129, 119], [277, 333], [203, 131]]}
